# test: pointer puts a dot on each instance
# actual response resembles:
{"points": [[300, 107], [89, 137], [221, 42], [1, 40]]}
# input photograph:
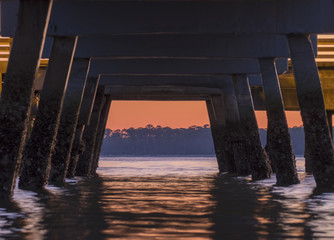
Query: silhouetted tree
{"points": [[195, 140]]}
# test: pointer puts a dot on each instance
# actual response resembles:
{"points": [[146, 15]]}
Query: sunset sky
{"points": [[125, 114]]}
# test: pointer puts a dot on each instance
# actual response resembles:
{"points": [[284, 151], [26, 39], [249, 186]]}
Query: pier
{"points": [[237, 56]]}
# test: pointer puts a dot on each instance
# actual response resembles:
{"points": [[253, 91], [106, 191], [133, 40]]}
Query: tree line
{"points": [[195, 140]]}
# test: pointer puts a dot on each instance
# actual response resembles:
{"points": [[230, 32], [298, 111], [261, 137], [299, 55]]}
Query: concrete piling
{"points": [[84, 115], [77, 149], [89, 135], [279, 145], [257, 157], [308, 160], [312, 107], [307, 156], [100, 133], [218, 145], [33, 18], [329, 114], [68, 120], [38, 149], [236, 147], [223, 133]]}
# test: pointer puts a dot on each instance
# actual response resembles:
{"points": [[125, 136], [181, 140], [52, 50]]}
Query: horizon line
{"points": [[190, 126]]}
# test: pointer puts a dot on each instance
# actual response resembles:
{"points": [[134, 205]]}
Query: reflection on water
{"points": [[169, 198]]}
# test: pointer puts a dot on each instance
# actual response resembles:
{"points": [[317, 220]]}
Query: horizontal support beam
{"points": [[158, 80], [128, 17], [241, 16], [174, 66], [127, 88], [158, 98], [168, 93], [287, 85], [162, 90], [186, 45], [172, 96], [177, 80]]}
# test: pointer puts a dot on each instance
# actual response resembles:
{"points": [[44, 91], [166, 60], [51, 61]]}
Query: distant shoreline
{"points": [[158, 156], [167, 142], [194, 156]]}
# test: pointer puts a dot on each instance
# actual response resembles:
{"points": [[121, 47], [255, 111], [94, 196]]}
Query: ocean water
{"points": [[169, 198]]}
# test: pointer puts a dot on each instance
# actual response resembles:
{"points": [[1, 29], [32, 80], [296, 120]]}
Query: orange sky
{"points": [[125, 114]]}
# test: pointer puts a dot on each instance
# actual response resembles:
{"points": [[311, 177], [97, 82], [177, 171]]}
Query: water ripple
{"points": [[169, 198]]}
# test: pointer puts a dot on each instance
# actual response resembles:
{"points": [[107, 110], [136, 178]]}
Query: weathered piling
{"points": [[100, 133], [329, 114], [77, 148], [279, 146], [89, 135], [33, 18], [223, 132], [218, 145], [85, 111], [257, 157], [236, 147], [312, 107], [68, 119], [308, 161], [38, 149]]}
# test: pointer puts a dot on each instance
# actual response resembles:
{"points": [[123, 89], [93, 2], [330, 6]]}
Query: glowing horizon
{"points": [[174, 114]]}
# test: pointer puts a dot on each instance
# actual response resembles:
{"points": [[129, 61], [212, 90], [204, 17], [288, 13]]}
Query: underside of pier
{"points": [[237, 56]]}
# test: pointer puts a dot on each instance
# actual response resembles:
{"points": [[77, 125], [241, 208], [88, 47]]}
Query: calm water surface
{"points": [[169, 198]]}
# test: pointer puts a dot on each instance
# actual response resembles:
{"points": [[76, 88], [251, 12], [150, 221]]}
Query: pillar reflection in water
{"points": [[169, 197]]}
